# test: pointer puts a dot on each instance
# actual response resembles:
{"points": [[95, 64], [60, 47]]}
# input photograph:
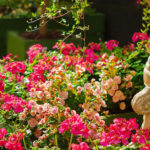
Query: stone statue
{"points": [[141, 101]]}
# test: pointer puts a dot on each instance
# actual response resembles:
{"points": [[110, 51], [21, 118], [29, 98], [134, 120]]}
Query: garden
{"points": [[63, 87]]}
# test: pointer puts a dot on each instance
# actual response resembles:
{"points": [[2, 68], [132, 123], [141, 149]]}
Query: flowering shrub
{"points": [[11, 142], [139, 36], [54, 100], [121, 131], [111, 44]]}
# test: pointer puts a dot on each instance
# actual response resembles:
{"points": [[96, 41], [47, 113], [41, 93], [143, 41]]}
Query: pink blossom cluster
{"points": [[2, 76], [72, 60], [95, 126], [90, 55], [138, 1], [16, 78], [44, 64], [35, 76], [111, 44], [67, 49], [11, 102], [3, 133], [81, 146], [2, 83], [138, 36], [108, 60], [111, 82], [141, 137], [70, 49], [127, 49], [85, 59], [15, 67], [76, 126], [85, 62], [34, 51], [95, 46], [39, 113], [7, 58], [118, 132], [146, 147], [112, 87], [13, 142], [90, 108], [2, 86]]}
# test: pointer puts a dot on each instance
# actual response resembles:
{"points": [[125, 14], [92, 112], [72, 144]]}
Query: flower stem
{"points": [[56, 142], [70, 142], [59, 118], [24, 143]]}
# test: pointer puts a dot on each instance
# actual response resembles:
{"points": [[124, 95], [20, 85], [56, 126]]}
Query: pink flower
{"points": [[139, 36], [22, 116], [40, 94], [111, 92], [12, 102], [133, 72], [64, 126], [75, 146], [122, 106], [95, 46], [3, 133], [37, 133], [138, 1], [2, 76], [117, 80], [14, 142], [63, 95], [87, 86], [79, 89], [84, 146], [2, 86], [81, 146], [33, 51], [115, 98], [54, 110], [120, 95], [111, 44], [129, 84], [115, 87], [146, 147], [128, 78], [118, 132], [8, 57], [76, 126], [15, 67], [32, 122]]}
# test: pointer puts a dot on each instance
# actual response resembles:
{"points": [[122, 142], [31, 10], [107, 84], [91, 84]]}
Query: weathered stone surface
{"points": [[146, 121], [146, 75], [141, 101]]}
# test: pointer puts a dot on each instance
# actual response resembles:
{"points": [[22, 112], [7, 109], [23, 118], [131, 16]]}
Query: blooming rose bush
{"points": [[54, 100]]}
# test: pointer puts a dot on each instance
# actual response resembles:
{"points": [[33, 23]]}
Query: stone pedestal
{"points": [[146, 121]]}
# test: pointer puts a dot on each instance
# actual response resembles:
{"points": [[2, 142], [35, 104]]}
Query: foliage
{"points": [[69, 14], [11, 8], [139, 56], [146, 15]]}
